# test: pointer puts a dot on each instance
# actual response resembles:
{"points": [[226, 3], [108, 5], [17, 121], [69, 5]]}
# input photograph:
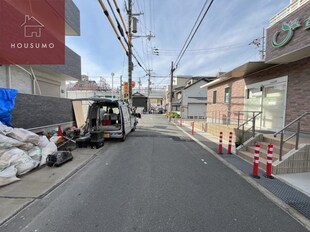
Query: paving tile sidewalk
{"points": [[289, 195], [40, 182]]}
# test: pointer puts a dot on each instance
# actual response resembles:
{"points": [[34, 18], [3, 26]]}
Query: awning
{"points": [[241, 71]]}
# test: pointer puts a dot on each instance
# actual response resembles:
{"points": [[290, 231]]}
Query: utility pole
{"points": [[121, 87], [112, 75], [263, 46], [149, 89], [129, 52], [260, 44], [139, 84], [171, 84]]}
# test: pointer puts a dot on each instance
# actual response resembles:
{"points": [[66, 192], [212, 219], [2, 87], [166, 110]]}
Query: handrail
{"points": [[282, 141], [253, 118], [215, 115], [291, 123]]}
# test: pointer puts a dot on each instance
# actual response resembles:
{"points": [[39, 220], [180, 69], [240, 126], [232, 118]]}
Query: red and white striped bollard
{"points": [[193, 128], [221, 143], [269, 162], [256, 161], [229, 144]]}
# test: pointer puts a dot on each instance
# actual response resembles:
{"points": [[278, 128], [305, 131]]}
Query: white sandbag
{"points": [[4, 165], [13, 155], [43, 141], [26, 146], [35, 153], [8, 176], [4, 130], [7, 142], [25, 136], [49, 149], [20, 160], [26, 164], [2, 151]]}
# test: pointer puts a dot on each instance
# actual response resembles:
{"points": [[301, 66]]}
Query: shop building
{"points": [[276, 89]]}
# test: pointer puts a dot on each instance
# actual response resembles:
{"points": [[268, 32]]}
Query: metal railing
{"points": [[255, 114], [286, 11], [282, 141], [229, 117]]}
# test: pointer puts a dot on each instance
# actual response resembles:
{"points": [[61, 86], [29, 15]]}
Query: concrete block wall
{"points": [[296, 161], [33, 111]]}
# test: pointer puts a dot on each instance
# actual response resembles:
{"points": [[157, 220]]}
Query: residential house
{"points": [[194, 100], [188, 99]]}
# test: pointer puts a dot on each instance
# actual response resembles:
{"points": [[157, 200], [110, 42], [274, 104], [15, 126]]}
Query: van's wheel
{"points": [[123, 137]]}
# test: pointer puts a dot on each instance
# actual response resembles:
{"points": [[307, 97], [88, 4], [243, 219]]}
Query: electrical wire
{"points": [[120, 15], [188, 37], [193, 35], [105, 11]]}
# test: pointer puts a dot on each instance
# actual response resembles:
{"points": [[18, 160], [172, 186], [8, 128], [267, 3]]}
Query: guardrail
{"points": [[282, 141], [288, 10]]}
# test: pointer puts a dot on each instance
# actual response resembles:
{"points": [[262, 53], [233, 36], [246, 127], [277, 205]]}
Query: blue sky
{"points": [[221, 43]]}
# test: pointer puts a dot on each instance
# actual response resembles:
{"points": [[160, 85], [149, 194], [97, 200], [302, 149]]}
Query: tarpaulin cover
{"points": [[7, 102]]}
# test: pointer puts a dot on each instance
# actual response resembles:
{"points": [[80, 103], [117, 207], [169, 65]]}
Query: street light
{"points": [[112, 74]]}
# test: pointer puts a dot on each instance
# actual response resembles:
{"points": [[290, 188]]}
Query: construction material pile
{"points": [[20, 152]]}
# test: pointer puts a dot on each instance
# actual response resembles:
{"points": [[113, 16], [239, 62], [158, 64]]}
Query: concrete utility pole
{"points": [[263, 46], [149, 89], [139, 84], [130, 68], [121, 87], [112, 75], [171, 85]]}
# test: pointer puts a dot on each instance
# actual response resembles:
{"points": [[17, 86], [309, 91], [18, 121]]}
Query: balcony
{"points": [[72, 19], [296, 4], [71, 70]]}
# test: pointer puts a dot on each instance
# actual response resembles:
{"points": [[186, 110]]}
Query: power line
{"points": [[105, 11], [180, 57], [188, 37]]}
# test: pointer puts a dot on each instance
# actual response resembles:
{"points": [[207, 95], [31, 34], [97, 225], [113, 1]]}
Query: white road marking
{"points": [[202, 160], [205, 162]]}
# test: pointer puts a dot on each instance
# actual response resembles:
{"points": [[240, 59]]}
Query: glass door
{"points": [[273, 106]]}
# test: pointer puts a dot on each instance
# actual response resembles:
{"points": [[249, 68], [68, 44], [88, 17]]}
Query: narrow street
{"points": [[157, 180]]}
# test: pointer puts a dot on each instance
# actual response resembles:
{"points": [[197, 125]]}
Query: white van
{"points": [[115, 118]]}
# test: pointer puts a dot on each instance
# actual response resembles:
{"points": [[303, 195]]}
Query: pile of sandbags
{"points": [[20, 152]]}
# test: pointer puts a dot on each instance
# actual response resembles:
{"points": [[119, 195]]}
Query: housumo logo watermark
{"points": [[34, 30]]}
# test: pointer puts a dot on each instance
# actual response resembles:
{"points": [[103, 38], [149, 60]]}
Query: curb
{"points": [[285, 207]]}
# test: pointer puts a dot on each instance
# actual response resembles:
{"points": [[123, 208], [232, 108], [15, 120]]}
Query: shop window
{"points": [[253, 93], [214, 97], [227, 95]]}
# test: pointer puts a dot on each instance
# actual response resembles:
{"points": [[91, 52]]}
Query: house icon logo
{"points": [[32, 27]]}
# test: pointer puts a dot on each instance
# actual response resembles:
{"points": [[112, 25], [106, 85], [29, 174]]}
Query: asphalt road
{"points": [[157, 180]]}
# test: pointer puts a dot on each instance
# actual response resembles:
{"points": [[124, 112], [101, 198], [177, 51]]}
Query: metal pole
{"points": [[281, 147], [253, 127], [112, 75], [121, 87], [171, 85], [130, 68], [297, 135]]}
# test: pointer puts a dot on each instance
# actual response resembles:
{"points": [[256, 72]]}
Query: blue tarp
{"points": [[7, 102]]}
